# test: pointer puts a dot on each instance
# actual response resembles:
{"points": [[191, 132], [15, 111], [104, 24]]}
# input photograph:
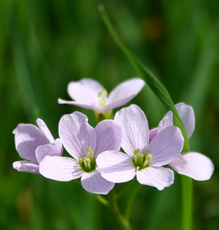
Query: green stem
{"points": [[187, 203], [119, 218], [102, 200], [130, 201]]}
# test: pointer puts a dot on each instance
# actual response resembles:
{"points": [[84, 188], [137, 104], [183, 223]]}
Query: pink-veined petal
{"points": [[27, 138], [85, 90], [109, 136], [125, 91], [93, 182], [166, 145], [52, 149], [115, 166], [26, 166], [60, 168], [76, 134], [166, 121], [158, 177], [134, 126], [81, 104], [152, 133], [194, 165], [45, 130], [186, 114]]}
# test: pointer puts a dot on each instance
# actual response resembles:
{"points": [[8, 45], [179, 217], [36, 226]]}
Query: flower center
{"points": [[102, 95], [88, 163], [141, 160]]}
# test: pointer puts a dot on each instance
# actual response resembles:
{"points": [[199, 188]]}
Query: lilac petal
{"points": [[109, 136], [45, 130], [124, 92], [76, 134], [152, 133], [187, 116], [81, 104], [166, 145], [166, 121], [53, 149], [134, 126], [60, 168], [26, 166], [93, 182], [85, 90], [158, 177], [27, 138], [115, 166], [194, 165]]}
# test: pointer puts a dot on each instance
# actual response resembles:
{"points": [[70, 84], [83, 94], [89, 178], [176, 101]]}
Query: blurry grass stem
{"points": [[23, 78]]}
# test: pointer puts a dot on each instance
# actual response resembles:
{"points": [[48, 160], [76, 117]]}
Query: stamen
{"points": [[102, 95], [88, 163], [141, 160]]}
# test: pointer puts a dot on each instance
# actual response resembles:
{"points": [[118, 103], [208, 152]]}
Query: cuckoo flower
{"points": [[90, 94], [191, 164], [141, 158], [84, 143], [32, 144]]}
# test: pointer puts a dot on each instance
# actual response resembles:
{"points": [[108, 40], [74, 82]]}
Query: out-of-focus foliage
{"points": [[46, 44]]}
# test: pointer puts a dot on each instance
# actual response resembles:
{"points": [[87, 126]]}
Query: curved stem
{"points": [[130, 202], [119, 218]]}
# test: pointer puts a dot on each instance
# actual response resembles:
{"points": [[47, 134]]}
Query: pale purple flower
{"points": [[191, 164], [33, 144], [141, 158], [84, 143], [90, 94]]}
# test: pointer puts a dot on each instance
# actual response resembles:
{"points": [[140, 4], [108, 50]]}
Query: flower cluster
{"points": [[117, 149]]}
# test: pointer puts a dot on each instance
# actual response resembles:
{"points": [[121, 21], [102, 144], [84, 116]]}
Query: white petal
{"points": [[60, 168], [109, 136], [85, 90], [195, 165], [166, 146], [158, 177], [76, 134], [125, 91], [53, 149], [115, 166], [81, 104], [26, 166], [135, 131], [45, 130], [93, 182], [27, 138], [186, 114]]}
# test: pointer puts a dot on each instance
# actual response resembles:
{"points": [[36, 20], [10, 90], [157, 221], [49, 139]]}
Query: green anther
{"points": [[102, 95], [147, 161], [141, 160], [90, 152], [136, 151], [88, 163]]}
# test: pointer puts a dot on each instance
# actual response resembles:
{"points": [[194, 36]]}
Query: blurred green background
{"points": [[46, 44]]}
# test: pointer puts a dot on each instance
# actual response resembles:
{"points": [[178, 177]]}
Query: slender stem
{"points": [[130, 202], [119, 218], [102, 200], [187, 203]]}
